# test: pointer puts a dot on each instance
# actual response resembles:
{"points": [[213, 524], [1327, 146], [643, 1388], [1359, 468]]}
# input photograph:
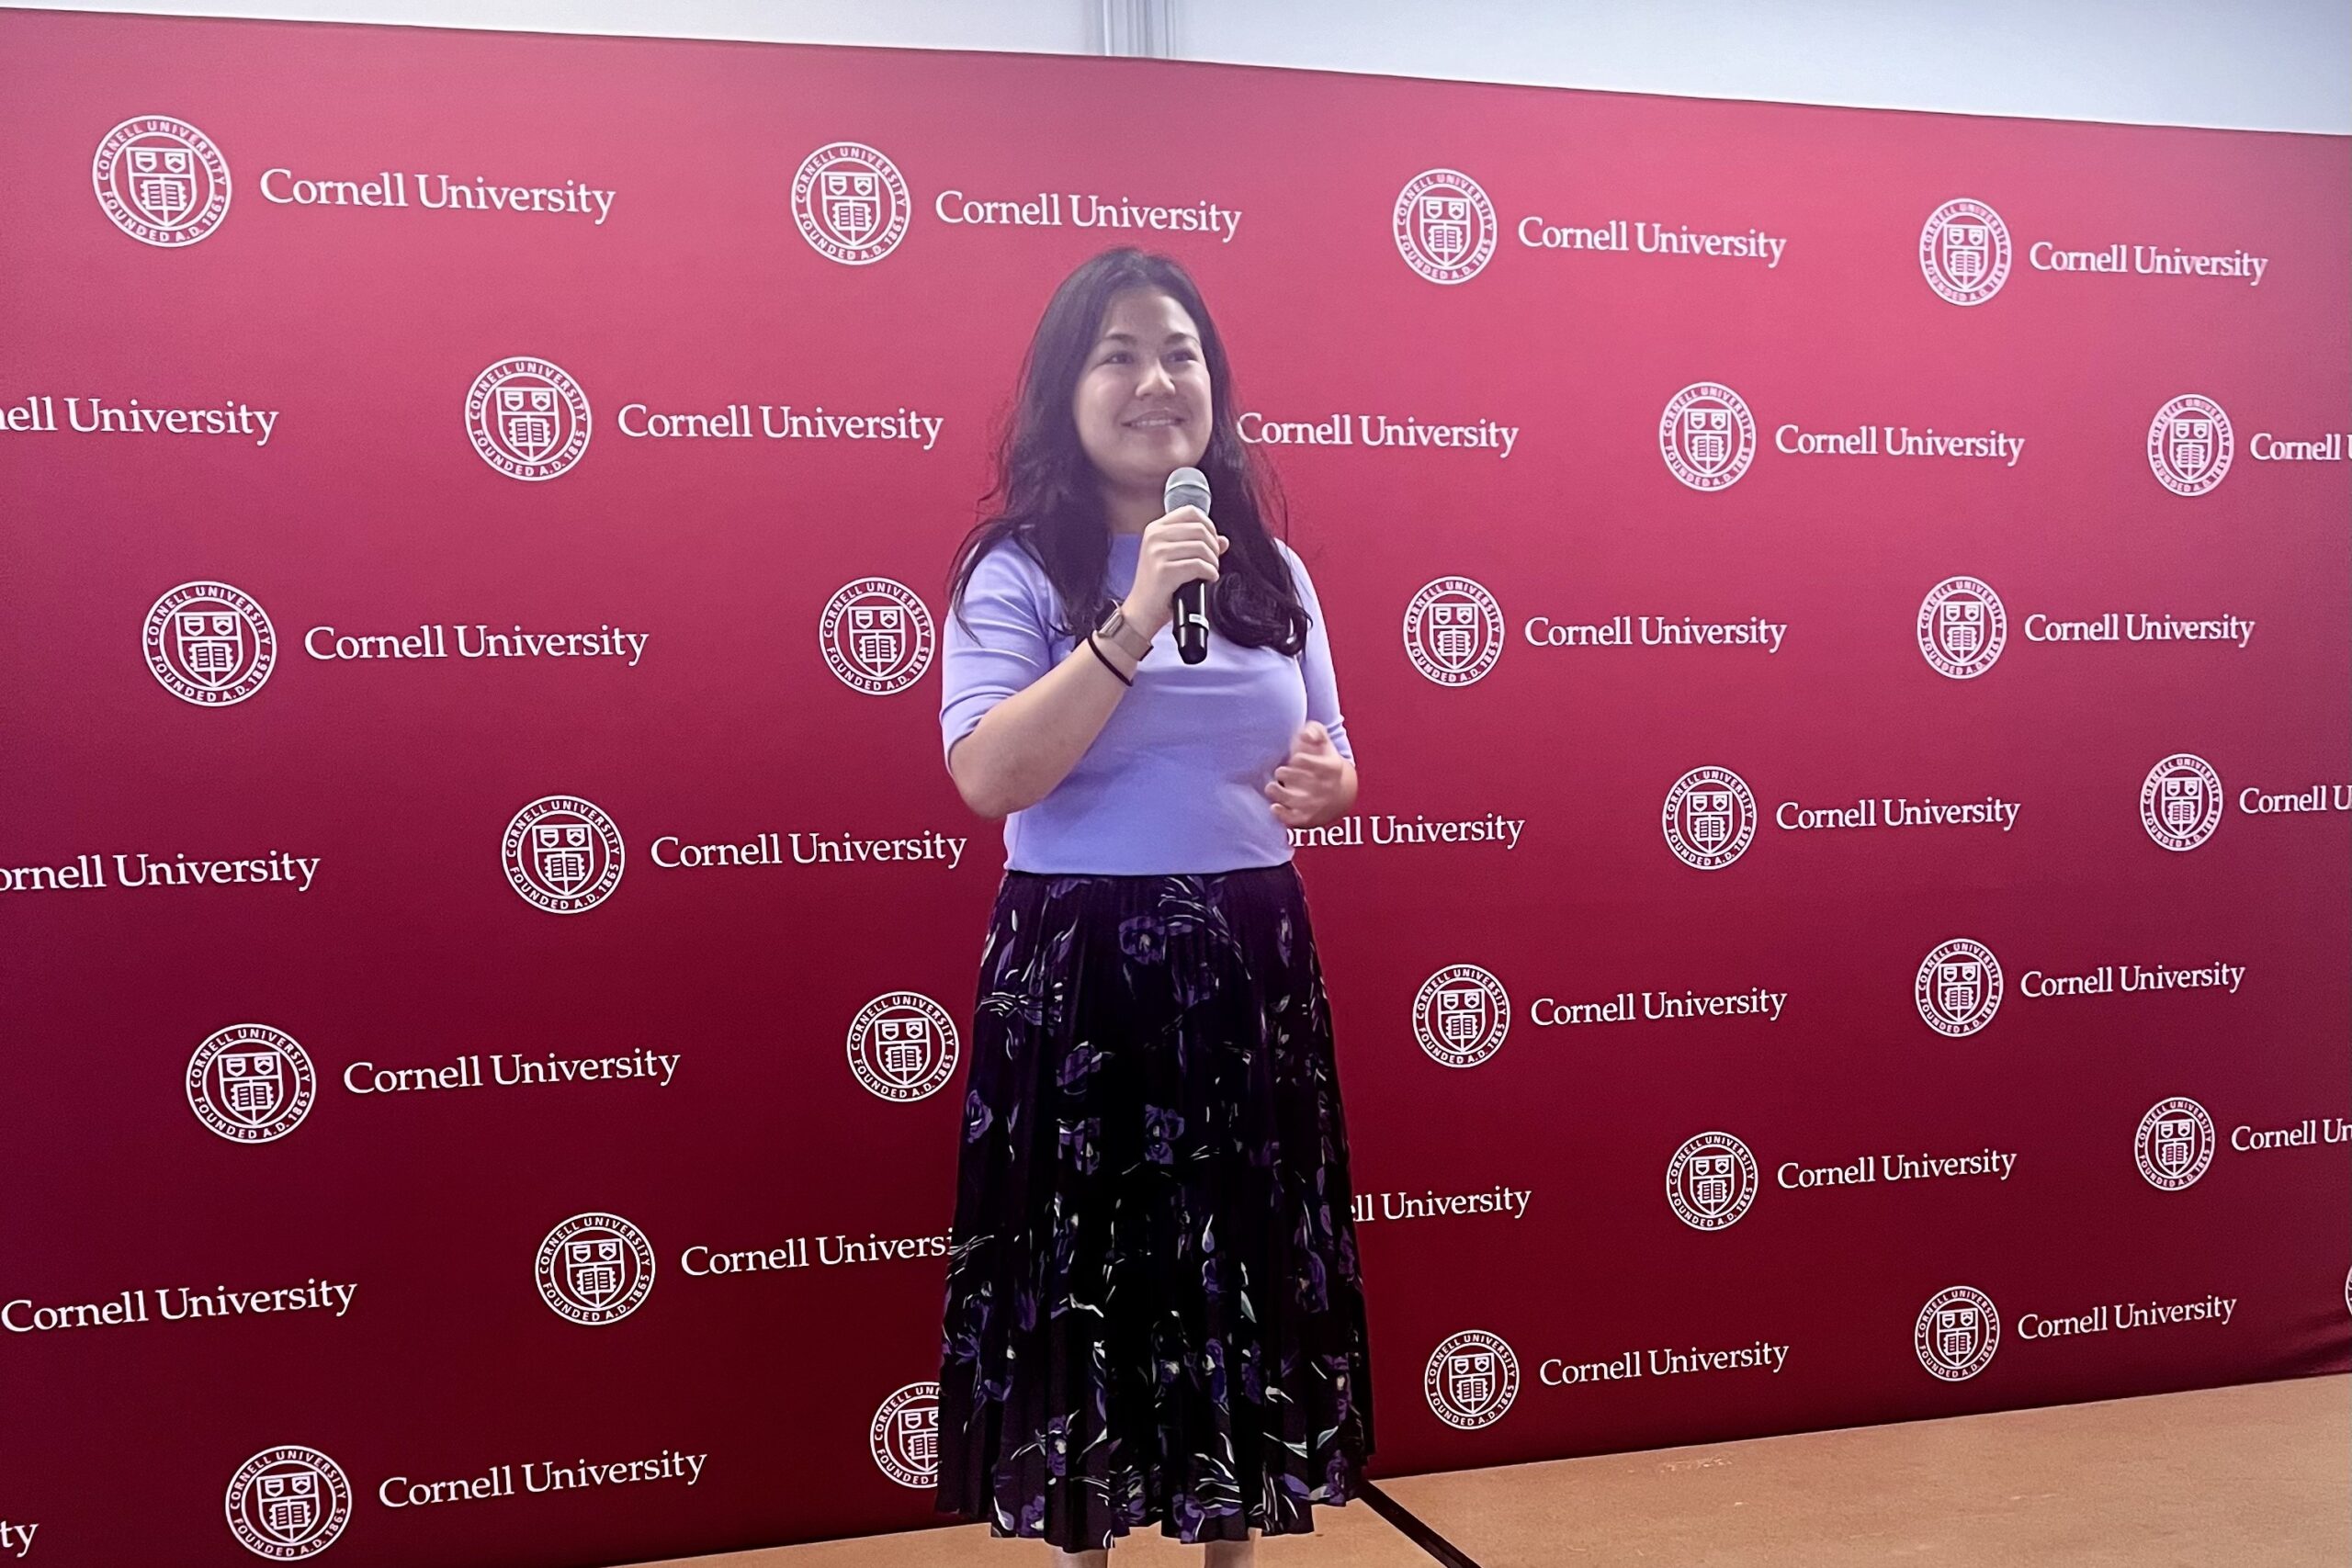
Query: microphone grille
{"points": [[1186, 487]]}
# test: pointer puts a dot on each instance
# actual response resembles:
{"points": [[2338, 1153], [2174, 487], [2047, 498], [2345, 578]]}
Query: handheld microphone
{"points": [[1188, 487]]}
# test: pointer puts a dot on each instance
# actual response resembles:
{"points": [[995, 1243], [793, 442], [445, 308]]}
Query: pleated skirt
{"points": [[1154, 1311]]}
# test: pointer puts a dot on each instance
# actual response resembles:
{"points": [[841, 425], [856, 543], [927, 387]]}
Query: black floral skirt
{"points": [[1154, 1309]]}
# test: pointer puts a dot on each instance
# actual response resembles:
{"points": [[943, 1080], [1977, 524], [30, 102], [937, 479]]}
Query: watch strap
{"points": [[1128, 639]]}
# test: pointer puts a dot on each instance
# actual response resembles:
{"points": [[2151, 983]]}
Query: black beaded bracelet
{"points": [[1124, 680]]}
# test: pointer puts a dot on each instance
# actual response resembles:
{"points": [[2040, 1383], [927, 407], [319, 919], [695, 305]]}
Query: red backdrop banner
{"points": [[1843, 616]]}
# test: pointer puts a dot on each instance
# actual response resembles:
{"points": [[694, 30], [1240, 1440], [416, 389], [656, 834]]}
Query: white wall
{"points": [[2261, 65]]}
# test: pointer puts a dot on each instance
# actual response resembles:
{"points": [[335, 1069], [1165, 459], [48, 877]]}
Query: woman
{"points": [[1153, 1306]]}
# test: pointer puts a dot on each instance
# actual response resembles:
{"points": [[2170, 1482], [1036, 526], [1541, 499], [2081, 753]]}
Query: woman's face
{"points": [[1142, 404]]}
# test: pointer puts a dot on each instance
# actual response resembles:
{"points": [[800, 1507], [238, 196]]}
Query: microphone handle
{"points": [[1188, 603]]}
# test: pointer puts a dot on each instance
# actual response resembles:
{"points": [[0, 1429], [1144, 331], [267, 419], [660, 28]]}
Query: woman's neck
{"points": [[1130, 512]]}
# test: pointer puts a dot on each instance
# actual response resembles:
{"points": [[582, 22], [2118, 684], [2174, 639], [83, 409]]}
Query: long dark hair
{"points": [[1046, 499]]}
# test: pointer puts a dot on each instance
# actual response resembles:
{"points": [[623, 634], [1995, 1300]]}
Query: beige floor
{"points": [[2251, 1477]]}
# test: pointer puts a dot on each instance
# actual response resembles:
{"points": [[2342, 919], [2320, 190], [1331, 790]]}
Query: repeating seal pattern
{"points": [[161, 180], [1711, 1182], [1707, 437], [1709, 818], [563, 854], [1959, 988], [1471, 1380], [1461, 1016], [527, 418], [1957, 1333], [1964, 251], [210, 644], [286, 1504], [852, 203], [903, 1047], [2190, 445], [1454, 631], [594, 1269], [2174, 1144], [2180, 801], [904, 1435], [251, 1084], [876, 636], [1444, 226], [1962, 628]]}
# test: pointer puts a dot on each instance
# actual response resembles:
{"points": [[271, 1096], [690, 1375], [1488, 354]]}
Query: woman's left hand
{"points": [[1312, 786]]}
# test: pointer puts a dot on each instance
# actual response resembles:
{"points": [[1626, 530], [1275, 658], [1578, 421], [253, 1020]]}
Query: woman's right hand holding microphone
{"points": [[1181, 548]]}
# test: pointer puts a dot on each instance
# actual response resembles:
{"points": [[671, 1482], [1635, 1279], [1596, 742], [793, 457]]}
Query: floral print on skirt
{"points": [[1154, 1309]]}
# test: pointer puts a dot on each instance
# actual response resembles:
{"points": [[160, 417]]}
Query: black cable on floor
{"points": [[1411, 1527]]}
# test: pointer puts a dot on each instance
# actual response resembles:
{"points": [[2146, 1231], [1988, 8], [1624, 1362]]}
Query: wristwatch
{"points": [[1128, 639]]}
